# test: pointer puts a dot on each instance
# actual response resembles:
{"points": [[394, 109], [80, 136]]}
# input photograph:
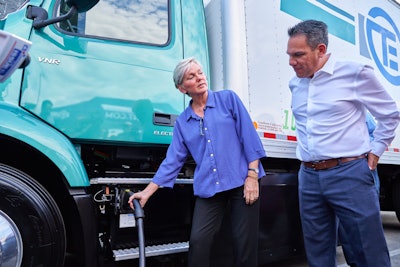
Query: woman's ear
{"points": [[181, 89]]}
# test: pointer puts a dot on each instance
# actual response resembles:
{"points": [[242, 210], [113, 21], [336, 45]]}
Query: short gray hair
{"points": [[315, 31], [182, 67]]}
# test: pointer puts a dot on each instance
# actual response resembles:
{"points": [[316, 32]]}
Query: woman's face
{"points": [[194, 81]]}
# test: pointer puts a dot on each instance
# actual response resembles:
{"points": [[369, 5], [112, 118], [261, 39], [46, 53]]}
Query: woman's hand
{"points": [[143, 196], [251, 190]]}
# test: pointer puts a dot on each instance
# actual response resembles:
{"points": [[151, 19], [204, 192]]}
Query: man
{"points": [[329, 101]]}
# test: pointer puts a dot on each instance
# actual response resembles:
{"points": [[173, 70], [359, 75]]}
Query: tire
{"points": [[33, 232], [396, 198]]}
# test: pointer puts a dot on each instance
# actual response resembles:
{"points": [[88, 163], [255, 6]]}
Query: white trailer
{"points": [[247, 43]]}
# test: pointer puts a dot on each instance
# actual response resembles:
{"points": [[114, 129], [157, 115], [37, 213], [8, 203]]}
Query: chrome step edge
{"points": [[151, 251], [110, 180]]}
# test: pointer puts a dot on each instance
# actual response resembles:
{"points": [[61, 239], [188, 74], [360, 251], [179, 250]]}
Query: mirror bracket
{"points": [[39, 16]]}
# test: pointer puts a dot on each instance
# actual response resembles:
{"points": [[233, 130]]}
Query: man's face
{"points": [[302, 58]]}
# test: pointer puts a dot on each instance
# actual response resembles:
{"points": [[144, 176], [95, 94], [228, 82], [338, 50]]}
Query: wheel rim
{"points": [[10, 242]]}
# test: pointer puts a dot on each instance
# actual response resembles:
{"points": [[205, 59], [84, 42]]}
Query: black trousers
{"points": [[207, 221]]}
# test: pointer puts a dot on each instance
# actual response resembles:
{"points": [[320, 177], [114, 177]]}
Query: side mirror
{"points": [[82, 5], [40, 15]]}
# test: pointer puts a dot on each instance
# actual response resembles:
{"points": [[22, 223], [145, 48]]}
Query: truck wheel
{"points": [[396, 198], [31, 226]]}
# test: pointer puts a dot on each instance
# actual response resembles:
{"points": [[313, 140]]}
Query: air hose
{"points": [[139, 215]]}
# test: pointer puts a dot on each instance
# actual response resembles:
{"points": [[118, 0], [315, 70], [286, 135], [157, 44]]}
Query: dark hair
{"points": [[315, 31]]}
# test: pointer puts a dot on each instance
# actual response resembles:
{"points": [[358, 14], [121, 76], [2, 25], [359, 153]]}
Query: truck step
{"points": [[127, 180], [151, 251]]}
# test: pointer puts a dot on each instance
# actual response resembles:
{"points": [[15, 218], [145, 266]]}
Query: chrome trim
{"points": [[11, 247], [150, 251], [111, 180]]}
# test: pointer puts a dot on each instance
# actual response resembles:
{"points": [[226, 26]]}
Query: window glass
{"points": [[131, 20], [8, 6]]}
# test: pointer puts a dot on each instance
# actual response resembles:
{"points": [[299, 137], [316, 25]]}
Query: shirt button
{"points": [[209, 140], [211, 155], [217, 183], [214, 170]]}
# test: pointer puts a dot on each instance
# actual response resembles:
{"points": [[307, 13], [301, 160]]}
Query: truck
{"points": [[89, 120], [247, 44]]}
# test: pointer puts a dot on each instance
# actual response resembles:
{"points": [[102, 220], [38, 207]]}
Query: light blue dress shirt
{"points": [[222, 144], [330, 111]]}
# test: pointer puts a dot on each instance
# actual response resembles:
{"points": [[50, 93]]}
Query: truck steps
{"points": [[157, 250], [132, 181]]}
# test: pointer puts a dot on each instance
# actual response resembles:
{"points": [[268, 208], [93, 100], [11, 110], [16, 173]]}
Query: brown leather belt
{"points": [[329, 163]]}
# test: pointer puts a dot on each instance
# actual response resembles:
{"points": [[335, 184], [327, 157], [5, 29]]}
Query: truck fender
{"points": [[23, 126]]}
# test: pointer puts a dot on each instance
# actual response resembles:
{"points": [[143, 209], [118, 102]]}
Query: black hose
{"points": [[26, 62], [139, 215]]}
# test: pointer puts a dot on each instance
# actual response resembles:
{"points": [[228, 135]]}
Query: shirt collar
{"points": [[189, 113], [329, 65]]}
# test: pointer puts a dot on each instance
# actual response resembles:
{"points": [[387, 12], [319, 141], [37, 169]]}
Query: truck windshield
{"points": [[9, 6], [128, 20]]}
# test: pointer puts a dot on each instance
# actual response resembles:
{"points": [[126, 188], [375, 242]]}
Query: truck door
{"points": [[107, 74]]}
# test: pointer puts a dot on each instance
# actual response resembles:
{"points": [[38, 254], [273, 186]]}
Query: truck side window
{"points": [[129, 20], [7, 7]]}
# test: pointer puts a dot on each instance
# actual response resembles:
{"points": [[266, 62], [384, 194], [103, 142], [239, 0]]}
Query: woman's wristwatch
{"points": [[255, 170]]}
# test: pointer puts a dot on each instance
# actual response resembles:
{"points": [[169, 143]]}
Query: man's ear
{"points": [[322, 49]]}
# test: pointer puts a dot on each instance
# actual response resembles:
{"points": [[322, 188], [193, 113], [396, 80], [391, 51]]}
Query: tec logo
{"points": [[383, 38]]}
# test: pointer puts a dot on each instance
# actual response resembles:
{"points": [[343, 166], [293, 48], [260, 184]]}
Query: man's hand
{"points": [[372, 161]]}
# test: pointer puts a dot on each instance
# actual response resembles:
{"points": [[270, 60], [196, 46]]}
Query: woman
{"points": [[217, 131]]}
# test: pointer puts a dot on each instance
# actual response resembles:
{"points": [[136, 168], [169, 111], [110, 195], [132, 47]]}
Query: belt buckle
{"points": [[319, 165]]}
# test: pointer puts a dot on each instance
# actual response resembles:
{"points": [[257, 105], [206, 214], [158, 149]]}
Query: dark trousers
{"points": [[346, 192], [343, 237], [207, 221]]}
